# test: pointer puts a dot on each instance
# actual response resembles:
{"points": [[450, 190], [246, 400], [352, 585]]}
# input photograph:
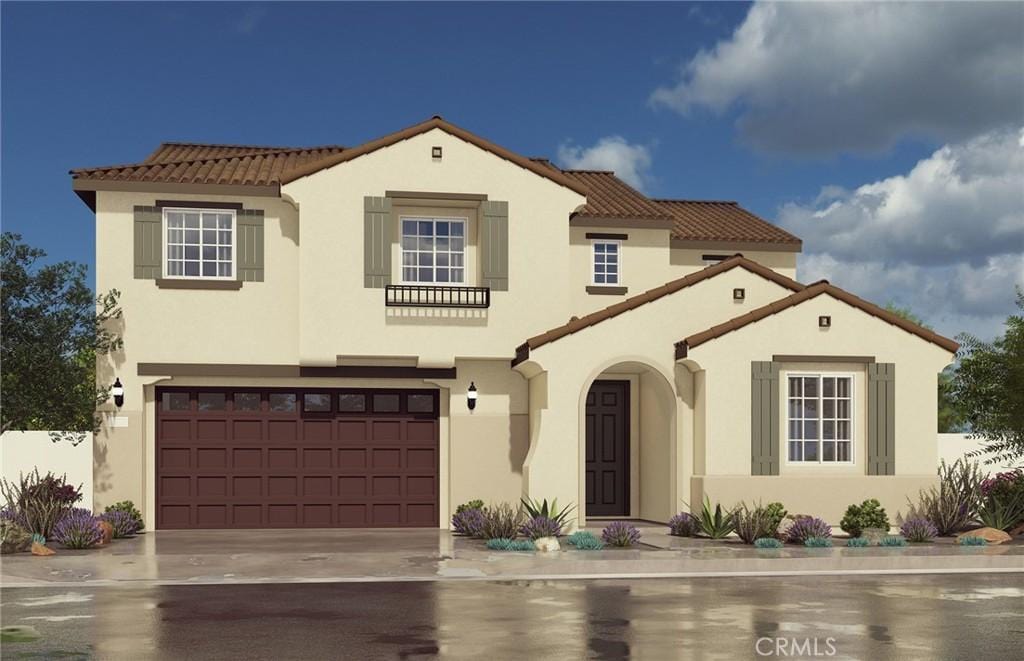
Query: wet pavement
{"points": [[977, 616]]}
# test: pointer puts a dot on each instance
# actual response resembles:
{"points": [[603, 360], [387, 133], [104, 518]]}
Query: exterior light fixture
{"points": [[824, 321], [435, 152], [117, 391], [471, 396], [739, 294]]}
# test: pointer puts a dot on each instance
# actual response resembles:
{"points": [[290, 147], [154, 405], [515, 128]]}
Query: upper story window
{"points": [[607, 262], [433, 250], [200, 243], [820, 418]]}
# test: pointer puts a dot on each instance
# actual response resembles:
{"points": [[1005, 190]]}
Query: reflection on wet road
{"points": [[882, 617]]}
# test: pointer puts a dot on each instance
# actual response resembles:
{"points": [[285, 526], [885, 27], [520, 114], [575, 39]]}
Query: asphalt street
{"points": [[979, 616]]}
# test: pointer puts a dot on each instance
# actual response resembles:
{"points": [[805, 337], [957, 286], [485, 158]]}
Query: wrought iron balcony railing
{"points": [[433, 296]]}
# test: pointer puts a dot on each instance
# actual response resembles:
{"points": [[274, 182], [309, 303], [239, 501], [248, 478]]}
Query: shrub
{"points": [[893, 540], [972, 541], [818, 542], [39, 502], [768, 543], [536, 509], [123, 523], [506, 544], [468, 522], [869, 514], [541, 526], [683, 524], [471, 505], [954, 502], [13, 537], [1002, 500], [918, 530], [79, 529], [620, 533], [858, 542], [128, 507], [805, 527], [717, 524], [501, 521], [761, 521]]}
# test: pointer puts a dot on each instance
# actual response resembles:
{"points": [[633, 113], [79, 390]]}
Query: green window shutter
{"points": [[881, 436], [249, 225], [149, 247], [764, 418], [377, 230], [494, 245]]}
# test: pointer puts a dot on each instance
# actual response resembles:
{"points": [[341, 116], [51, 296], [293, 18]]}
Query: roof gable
{"points": [[713, 220], [812, 291], [577, 324]]}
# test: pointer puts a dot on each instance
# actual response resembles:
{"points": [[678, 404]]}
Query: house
{"points": [[371, 335]]}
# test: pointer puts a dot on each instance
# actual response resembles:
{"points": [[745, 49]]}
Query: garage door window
{"points": [[212, 401], [282, 402], [351, 403], [421, 403], [316, 402], [247, 401], [385, 403], [175, 401]]}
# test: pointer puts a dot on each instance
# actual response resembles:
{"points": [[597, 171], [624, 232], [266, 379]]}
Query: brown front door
{"points": [[607, 466], [296, 458]]}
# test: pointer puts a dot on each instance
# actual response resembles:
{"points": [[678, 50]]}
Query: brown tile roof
{"points": [[707, 220], [610, 197], [192, 151], [218, 164], [812, 291], [577, 324]]}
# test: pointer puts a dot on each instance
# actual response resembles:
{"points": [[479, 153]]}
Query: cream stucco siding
{"points": [[686, 260]]}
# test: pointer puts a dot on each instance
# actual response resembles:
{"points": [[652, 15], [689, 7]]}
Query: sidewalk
{"points": [[286, 556]]}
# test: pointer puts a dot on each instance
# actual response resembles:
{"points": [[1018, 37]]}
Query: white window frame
{"points": [[462, 220], [853, 419], [618, 262], [234, 243]]}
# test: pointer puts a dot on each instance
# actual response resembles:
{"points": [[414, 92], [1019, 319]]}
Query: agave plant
{"points": [[716, 524], [536, 509]]}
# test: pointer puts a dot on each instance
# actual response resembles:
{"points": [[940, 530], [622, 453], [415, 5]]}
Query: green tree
{"points": [[54, 329], [989, 385], [952, 418]]}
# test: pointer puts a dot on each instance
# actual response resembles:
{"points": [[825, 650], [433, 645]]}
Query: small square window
{"points": [[385, 403], [319, 402], [282, 402], [212, 401], [352, 403], [247, 401], [420, 403], [175, 401]]}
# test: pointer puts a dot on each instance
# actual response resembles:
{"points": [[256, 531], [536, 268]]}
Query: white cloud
{"points": [[946, 239], [630, 162], [821, 77]]}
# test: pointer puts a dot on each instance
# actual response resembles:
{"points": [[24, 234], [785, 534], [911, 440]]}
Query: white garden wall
{"points": [[22, 451], [955, 446]]}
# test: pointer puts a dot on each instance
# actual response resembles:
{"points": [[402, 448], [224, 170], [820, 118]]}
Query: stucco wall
{"points": [[25, 451], [956, 446], [686, 260]]}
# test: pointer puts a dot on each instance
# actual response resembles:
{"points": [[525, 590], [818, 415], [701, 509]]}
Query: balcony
{"points": [[432, 296]]}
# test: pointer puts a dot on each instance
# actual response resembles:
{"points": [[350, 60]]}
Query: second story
{"points": [[431, 244]]}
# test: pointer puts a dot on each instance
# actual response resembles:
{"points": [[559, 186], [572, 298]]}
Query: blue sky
{"points": [[103, 83]]}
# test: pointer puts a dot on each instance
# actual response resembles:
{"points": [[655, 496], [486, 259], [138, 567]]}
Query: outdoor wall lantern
{"points": [[117, 390], [471, 396]]}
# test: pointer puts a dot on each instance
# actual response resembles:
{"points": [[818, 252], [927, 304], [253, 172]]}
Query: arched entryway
{"points": [[629, 443]]}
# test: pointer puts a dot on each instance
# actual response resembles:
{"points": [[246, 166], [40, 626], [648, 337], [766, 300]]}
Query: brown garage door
{"points": [[296, 458]]}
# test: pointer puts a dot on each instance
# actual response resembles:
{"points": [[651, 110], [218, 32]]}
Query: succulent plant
{"points": [[620, 533], [716, 524], [541, 526], [805, 527], [579, 536], [918, 530], [589, 544], [468, 522], [471, 505], [893, 540], [122, 523], [540, 508], [759, 521], [858, 542], [506, 544], [767, 543], [683, 524], [79, 529], [818, 542], [972, 541]]}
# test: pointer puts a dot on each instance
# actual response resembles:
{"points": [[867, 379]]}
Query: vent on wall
{"points": [[824, 321], [739, 294], [435, 152]]}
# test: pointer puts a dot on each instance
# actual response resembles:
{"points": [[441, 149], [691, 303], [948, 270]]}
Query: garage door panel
{"points": [[292, 458]]}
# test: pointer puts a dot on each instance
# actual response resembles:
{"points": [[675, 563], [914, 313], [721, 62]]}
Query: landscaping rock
{"points": [[991, 535], [108, 532], [40, 549], [546, 544]]}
